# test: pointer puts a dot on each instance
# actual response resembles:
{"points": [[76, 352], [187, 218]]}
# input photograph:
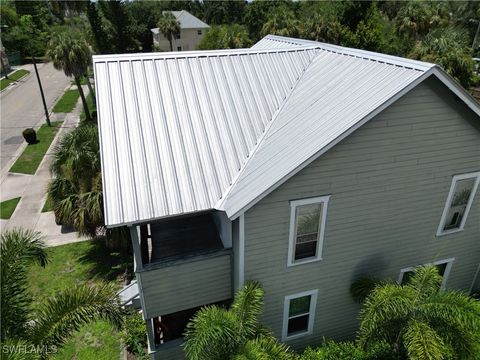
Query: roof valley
{"points": [[221, 202]]}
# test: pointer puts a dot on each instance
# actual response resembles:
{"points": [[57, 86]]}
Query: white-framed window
{"points": [[459, 200], [199, 32], [444, 266], [307, 227], [298, 314]]}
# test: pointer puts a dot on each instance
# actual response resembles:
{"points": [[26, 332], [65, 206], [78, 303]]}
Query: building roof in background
{"points": [[192, 131], [186, 20]]}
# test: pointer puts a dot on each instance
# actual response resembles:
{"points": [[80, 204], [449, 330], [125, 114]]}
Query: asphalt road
{"points": [[21, 107]]}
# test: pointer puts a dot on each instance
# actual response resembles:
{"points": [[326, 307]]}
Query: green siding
{"points": [[169, 352], [388, 183], [187, 284]]}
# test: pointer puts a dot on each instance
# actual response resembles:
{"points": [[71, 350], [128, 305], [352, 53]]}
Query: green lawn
{"points": [[7, 208], [48, 206], [33, 154], [67, 102], [13, 77], [83, 262]]}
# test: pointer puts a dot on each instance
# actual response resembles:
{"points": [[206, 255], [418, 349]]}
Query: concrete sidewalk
{"points": [[32, 190]]}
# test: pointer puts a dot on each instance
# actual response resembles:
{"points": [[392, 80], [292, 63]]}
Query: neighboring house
{"points": [[192, 31], [299, 164]]}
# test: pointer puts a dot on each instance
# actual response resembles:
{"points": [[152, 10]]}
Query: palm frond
{"points": [[422, 342], [265, 348], [426, 280], [389, 304], [63, 314], [247, 307], [19, 249], [211, 334]]}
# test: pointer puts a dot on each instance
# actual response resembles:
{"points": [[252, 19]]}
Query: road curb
{"points": [[6, 170]]}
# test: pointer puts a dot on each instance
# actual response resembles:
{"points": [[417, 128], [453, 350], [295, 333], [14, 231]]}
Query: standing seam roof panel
{"points": [[176, 131]]}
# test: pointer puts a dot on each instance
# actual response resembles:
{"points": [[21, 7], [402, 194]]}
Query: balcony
{"points": [[186, 265]]}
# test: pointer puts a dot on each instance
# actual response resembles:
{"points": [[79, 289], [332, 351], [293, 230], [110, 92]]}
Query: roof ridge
{"points": [[194, 54], [359, 53], [220, 203]]}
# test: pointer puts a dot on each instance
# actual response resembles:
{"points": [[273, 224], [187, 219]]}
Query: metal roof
{"points": [[176, 128], [186, 20], [191, 131]]}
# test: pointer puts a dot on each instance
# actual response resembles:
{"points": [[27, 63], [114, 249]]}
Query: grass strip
{"points": [[7, 208], [48, 206], [67, 102], [87, 262], [17, 75], [33, 154]]}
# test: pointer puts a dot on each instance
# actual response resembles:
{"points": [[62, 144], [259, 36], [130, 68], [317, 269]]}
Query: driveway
{"points": [[21, 107]]}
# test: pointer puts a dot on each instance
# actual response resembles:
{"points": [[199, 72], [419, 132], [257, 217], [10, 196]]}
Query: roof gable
{"points": [[186, 20]]}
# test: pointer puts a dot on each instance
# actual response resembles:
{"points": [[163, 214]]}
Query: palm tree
{"points": [[49, 325], [422, 321], [76, 189], [72, 55], [169, 26], [282, 22], [449, 48], [217, 334]]}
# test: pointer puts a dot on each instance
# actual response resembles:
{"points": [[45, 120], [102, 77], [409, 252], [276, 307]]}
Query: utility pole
{"points": [[41, 92]]}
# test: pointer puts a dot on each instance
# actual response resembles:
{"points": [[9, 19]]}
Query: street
{"points": [[21, 107]]}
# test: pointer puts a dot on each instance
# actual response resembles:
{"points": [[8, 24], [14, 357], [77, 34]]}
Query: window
{"points": [[443, 266], [459, 201], [298, 314], [307, 227], [177, 36], [179, 48], [199, 32]]}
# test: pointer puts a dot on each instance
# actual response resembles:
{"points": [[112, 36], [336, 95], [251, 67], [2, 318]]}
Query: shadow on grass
{"points": [[109, 264]]}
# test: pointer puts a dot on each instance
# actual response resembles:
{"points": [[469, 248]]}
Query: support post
{"points": [[137, 252], [150, 335]]}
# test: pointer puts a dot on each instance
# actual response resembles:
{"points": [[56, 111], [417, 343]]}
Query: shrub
{"points": [[30, 136], [333, 350], [134, 333]]}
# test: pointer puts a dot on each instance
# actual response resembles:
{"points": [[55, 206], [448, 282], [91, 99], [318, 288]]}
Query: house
{"points": [[299, 164], [192, 31]]}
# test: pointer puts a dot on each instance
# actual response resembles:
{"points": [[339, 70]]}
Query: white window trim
{"points": [[440, 231], [448, 261], [311, 313], [291, 240]]}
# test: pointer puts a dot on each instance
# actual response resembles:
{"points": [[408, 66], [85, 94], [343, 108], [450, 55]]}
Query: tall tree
{"points": [[282, 21], [217, 334], [115, 11], [76, 189], [225, 37], [422, 321], [449, 48], [169, 26], [49, 325], [103, 42], [72, 55]]}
